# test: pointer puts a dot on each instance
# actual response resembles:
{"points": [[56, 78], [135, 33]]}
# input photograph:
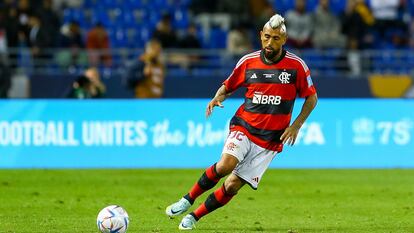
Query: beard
{"points": [[270, 55]]}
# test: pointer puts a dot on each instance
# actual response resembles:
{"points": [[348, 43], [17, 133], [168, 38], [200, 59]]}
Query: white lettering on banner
{"points": [[203, 135], [119, 133], [363, 131], [397, 132], [387, 132], [311, 133], [37, 133], [162, 136], [402, 132], [16, 133]]}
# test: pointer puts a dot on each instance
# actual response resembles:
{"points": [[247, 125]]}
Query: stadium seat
{"points": [[100, 15], [135, 4], [70, 14], [218, 38], [311, 5], [127, 19], [180, 18], [144, 33], [283, 6], [110, 3], [337, 6], [89, 3]]}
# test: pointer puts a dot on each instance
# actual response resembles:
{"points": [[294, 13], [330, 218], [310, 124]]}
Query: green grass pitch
{"points": [[287, 201]]}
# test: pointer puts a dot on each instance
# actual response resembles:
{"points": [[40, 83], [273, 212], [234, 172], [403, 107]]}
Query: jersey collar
{"points": [[273, 62]]}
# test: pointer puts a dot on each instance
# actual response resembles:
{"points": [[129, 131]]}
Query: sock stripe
{"points": [[222, 196], [200, 212], [208, 180], [205, 182], [212, 203], [211, 173]]}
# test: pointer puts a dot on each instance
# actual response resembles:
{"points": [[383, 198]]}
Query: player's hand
{"points": [[213, 103], [289, 136]]}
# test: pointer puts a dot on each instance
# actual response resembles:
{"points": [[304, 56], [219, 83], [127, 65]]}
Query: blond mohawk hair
{"points": [[276, 21]]}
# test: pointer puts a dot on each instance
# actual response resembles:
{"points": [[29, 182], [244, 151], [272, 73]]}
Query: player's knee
{"points": [[226, 165], [223, 169], [233, 185]]}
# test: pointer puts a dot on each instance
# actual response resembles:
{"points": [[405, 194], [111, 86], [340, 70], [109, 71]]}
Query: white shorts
{"points": [[253, 159]]}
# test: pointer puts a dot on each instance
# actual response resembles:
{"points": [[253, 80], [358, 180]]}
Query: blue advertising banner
{"points": [[356, 133]]}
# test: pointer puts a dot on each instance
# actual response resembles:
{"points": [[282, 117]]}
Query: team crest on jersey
{"points": [[231, 146], [284, 77]]}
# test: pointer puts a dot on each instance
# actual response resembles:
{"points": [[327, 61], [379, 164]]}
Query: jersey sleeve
{"points": [[304, 84], [236, 78]]}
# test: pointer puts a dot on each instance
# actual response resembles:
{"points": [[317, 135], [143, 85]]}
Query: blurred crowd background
{"points": [[186, 48]]}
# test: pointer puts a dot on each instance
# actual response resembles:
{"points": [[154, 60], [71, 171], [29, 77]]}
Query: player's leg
{"points": [[249, 170], [215, 200], [212, 176], [208, 180]]}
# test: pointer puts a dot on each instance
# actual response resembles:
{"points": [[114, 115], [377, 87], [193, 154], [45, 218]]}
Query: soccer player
{"points": [[273, 78]]}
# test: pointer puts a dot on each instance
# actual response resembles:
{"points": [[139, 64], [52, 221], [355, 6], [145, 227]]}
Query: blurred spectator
{"points": [[353, 26], [97, 88], [3, 47], [5, 79], [368, 21], [238, 10], [260, 12], [397, 39], [63, 4], [197, 7], [190, 39], [12, 27], [81, 88], [238, 39], [146, 76], [327, 28], [165, 33], [97, 43], [71, 38], [50, 20], [3, 34], [23, 13], [412, 34], [386, 13], [300, 26], [39, 39], [365, 13], [88, 85]]}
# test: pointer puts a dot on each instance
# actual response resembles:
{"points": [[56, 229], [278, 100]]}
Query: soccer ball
{"points": [[113, 219]]}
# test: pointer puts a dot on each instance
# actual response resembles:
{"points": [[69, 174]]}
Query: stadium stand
{"points": [[130, 24]]}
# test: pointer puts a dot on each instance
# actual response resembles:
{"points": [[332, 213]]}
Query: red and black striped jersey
{"points": [[271, 92]]}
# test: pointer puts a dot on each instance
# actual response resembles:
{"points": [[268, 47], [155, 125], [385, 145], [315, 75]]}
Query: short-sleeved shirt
{"points": [[271, 92]]}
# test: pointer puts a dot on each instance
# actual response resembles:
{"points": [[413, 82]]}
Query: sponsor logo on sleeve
{"points": [[309, 80]]}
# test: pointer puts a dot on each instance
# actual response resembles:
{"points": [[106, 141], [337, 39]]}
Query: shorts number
{"points": [[236, 134]]}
